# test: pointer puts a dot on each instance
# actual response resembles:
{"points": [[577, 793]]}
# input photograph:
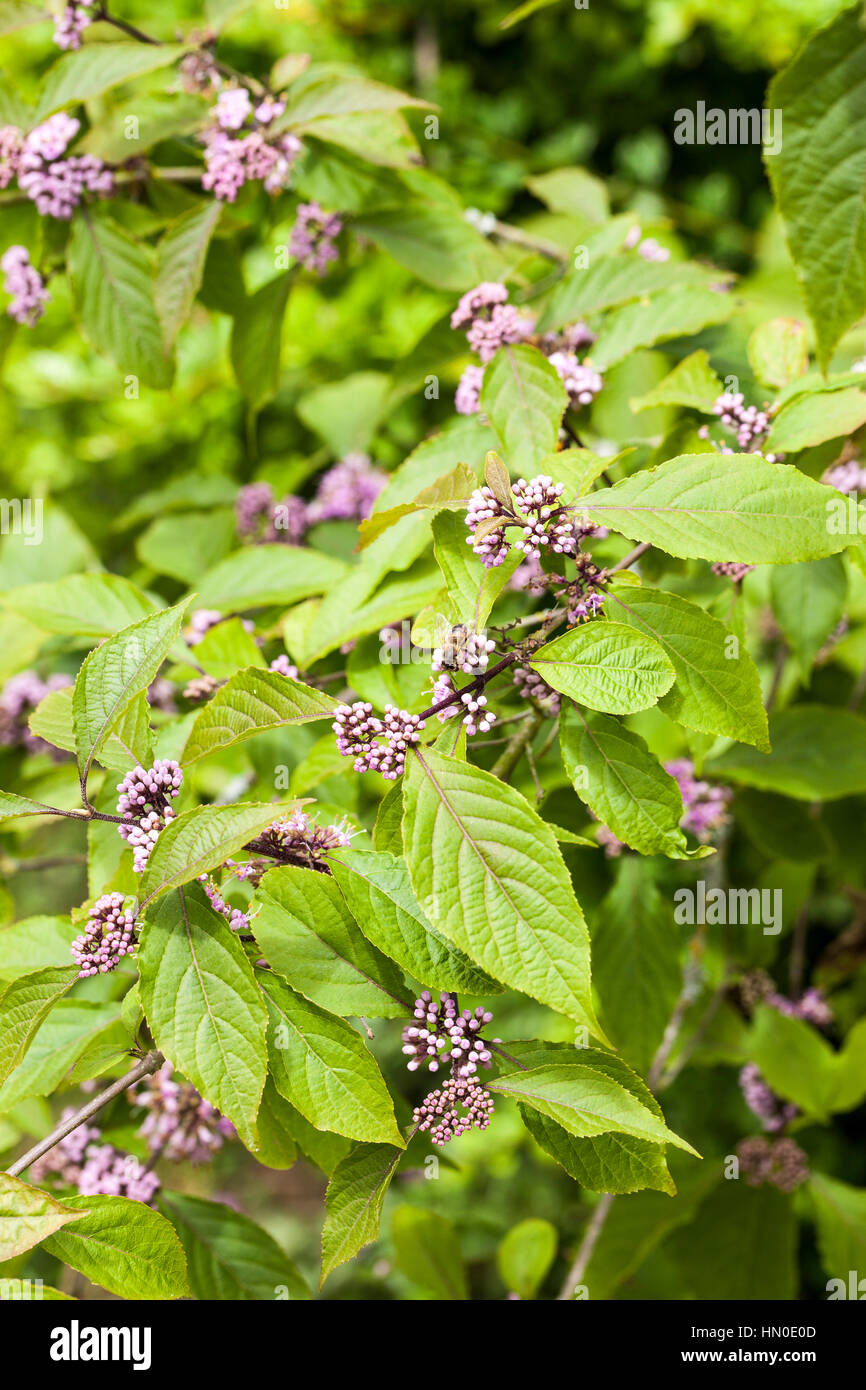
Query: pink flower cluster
{"points": [[849, 476], [442, 1034], [108, 936], [145, 804], [780, 1163], [532, 686], [80, 1161], [299, 834], [238, 920], [56, 185], [732, 569], [704, 805], [345, 492], [71, 23], [359, 730], [180, 1124], [25, 285], [18, 698], [490, 321], [439, 1116], [770, 1109], [239, 145], [580, 381], [313, 236], [647, 247], [544, 522]]}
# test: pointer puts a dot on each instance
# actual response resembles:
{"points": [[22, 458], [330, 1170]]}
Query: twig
{"points": [[146, 1067], [587, 1245], [531, 243], [629, 559], [778, 669], [517, 745]]}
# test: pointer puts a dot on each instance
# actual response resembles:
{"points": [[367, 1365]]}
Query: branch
{"points": [[587, 1245], [630, 558], [146, 1067]]}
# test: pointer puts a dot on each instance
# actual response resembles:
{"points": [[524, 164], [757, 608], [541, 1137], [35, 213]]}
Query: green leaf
{"points": [[778, 352], [819, 173], [525, 1255], [113, 292], [610, 281], [818, 754], [259, 575], [427, 1250], [203, 1007], [808, 601], [78, 1033], [472, 592], [676, 313], [524, 399], [230, 1258], [114, 673], [573, 190], [24, 1005], [434, 243], [95, 68], [321, 1066], [27, 1216], [692, 383], [717, 690], [277, 1147], [612, 1162], [488, 873], [128, 743], [308, 935], [608, 666], [226, 648], [33, 943], [81, 605], [801, 1066], [354, 1201], [201, 839], [739, 508], [187, 545], [741, 1245], [378, 890], [840, 1215], [180, 265], [625, 787], [255, 345], [636, 962], [124, 1247], [586, 1101], [12, 805], [813, 417], [251, 702], [451, 491]]}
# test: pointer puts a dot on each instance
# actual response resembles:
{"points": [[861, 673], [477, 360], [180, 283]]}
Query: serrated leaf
{"points": [[586, 1101], [819, 172], [95, 68], [524, 400], [321, 1066], [354, 1201], [201, 839], [230, 1258], [113, 291], [813, 417], [451, 491], [433, 242], [28, 1215], [625, 787], [692, 383], [818, 754], [610, 281], [377, 888], [33, 944], [12, 805], [24, 1005], [114, 673], [717, 690], [308, 935], [488, 873], [180, 265], [124, 1247], [608, 666], [698, 506], [251, 702], [672, 314], [202, 1005], [128, 743], [81, 605], [472, 589]]}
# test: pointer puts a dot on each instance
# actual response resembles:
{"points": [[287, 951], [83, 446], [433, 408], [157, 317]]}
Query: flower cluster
{"points": [[237, 919], [647, 247], [240, 146], [180, 1124], [811, 1007], [200, 623], [25, 285], [732, 569], [780, 1163], [145, 804], [56, 185], [467, 398], [849, 476], [580, 381], [107, 937], [441, 1026], [704, 805], [284, 667], [313, 236], [71, 23], [358, 732], [79, 1160], [490, 321], [532, 686], [750, 424], [538, 510], [345, 492], [301, 836], [18, 698], [438, 1113], [773, 1112], [465, 650]]}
